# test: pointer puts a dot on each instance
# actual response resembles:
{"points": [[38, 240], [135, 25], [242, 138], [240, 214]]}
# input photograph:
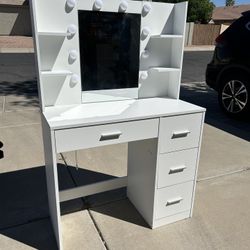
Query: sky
{"points": [[237, 2]]}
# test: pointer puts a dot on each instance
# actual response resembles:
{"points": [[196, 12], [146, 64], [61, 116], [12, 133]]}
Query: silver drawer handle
{"points": [[180, 134], [174, 201], [110, 136], [177, 169]]}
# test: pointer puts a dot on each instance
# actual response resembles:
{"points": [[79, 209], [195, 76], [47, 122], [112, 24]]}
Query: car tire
{"points": [[234, 95]]}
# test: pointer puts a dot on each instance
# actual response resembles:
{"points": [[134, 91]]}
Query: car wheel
{"points": [[234, 96]]}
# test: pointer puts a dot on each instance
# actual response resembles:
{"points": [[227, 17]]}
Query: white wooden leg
{"points": [[52, 180]]}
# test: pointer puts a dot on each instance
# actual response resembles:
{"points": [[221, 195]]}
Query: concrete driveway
{"points": [[109, 221]]}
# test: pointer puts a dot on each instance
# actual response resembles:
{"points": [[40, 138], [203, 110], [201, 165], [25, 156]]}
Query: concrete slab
{"points": [[221, 220], [34, 235], [24, 195], [110, 160], [21, 102], [222, 153], [20, 118], [99, 164], [23, 148], [79, 232], [1, 104]]}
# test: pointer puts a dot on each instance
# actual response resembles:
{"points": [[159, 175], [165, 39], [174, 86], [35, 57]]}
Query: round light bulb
{"points": [[73, 54], [144, 75], [145, 31], [74, 80], [146, 8], [98, 4], [145, 54], [123, 6], [71, 3], [72, 29]]}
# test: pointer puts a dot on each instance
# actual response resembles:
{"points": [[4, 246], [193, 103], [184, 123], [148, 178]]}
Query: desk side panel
{"points": [[142, 157]]}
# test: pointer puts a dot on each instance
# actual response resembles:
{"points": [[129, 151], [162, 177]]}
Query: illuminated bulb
{"points": [[72, 29], [98, 4], [73, 55], [145, 54], [123, 6], [144, 75], [145, 31], [71, 3], [74, 80], [146, 8]]}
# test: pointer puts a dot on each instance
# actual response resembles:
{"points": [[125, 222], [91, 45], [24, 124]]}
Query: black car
{"points": [[229, 71]]}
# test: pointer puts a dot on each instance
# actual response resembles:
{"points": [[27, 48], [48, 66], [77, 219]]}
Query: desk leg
{"points": [[52, 180]]}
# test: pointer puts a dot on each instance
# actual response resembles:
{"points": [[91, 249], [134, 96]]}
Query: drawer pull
{"points": [[177, 169], [110, 136], [180, 134], [174, 201]]}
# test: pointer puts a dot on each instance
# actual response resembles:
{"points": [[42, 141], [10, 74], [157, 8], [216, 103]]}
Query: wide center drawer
{"points": [[180, 132], [95, 136]]}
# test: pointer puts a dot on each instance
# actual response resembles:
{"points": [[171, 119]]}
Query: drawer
{"points": [[176, 167], [173, 200], [179, 132], [95, 136]]}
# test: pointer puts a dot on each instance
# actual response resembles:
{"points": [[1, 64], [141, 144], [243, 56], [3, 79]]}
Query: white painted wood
{"points": [[170, 219], [171, 126], [142, 157], [52, 180], [53, 33], [56, 73], [74, 193], [88, 137], [174, 199], [167, 36], [197, 164], [177, 167], [164, 133], [70, 116]]}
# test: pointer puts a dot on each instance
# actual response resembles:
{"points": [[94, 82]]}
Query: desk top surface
{"points": [[70, 116]]}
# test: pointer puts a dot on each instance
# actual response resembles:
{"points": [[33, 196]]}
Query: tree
{"points": [[199, 11], [230, 2]]}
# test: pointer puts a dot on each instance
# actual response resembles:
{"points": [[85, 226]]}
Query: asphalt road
{"points": [[18, 78], [18, 68]]}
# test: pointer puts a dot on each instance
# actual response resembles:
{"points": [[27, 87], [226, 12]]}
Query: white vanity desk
{"points": [[109, 72], [164, 138]]}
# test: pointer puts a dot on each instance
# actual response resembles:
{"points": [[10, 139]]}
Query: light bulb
{"points": [[145, 54], [98, 4], [123, 6], [146, 8], [71, 3], [74, 80], [73, 54], [72, 29], [145, 31], [144, 75]]}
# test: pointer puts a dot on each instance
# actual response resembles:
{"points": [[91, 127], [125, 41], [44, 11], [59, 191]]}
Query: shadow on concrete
{"points": [[123, 210], [22, 22], [24, 213], [200, 94], [23, 94]]}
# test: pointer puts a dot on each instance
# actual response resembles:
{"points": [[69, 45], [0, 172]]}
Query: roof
{"points": [[229, 12]]}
